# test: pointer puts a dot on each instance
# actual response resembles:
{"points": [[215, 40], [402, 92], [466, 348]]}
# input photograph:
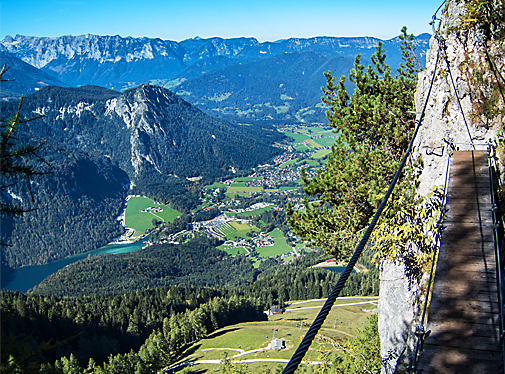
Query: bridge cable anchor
{"points": [[422, 335]]}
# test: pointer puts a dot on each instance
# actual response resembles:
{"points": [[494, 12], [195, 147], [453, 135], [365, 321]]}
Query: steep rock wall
{"points": [[448, 123]]}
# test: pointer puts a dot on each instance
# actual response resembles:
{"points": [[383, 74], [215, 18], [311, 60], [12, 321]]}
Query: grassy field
{"points": [[279, 248], [302, 148], [321, 153], [312, 162], [327, 139], [298, 138], [141, 221], [342, 323], [290, 162], [232, 251], [241, 190], [287, 188], [314, 143], [234, 229], [252, 212], [238, 229], [245, 179], [326, 142], [216, 185]]}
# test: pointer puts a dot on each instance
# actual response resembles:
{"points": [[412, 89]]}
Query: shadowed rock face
{"points": [[398, 310], [400, 306]]}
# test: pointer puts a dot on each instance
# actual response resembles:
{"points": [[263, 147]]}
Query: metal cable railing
{"points": [[496, 234], [442, 45], [323, 313], [421, 332]]}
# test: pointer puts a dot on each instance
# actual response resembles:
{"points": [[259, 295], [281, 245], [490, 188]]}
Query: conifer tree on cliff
{"points": [[18, 160], [375, 126]]}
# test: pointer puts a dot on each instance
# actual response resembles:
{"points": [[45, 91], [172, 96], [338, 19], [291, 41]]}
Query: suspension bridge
{"points": [[463, 330]]}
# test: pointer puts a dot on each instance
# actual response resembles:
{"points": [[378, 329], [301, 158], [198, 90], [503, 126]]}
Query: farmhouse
{"points": [[277, 344], [275, 309]]}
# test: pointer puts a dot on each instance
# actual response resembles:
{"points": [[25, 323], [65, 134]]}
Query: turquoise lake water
{"points": [[335, 269], [27, 277]]}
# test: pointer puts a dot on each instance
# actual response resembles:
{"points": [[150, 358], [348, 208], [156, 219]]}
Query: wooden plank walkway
{"points": [[464, 314]]}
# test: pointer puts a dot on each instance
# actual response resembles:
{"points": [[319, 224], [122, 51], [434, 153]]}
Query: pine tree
{"points": [[16, 158], [374, 126]]}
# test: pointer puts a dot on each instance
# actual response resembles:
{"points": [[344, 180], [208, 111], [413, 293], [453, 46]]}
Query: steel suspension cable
{"points": [[420, 331], [496, 237], [495, 71], [323, 313], [444, 47]]}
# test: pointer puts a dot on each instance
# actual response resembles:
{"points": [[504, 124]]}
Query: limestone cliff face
{"points": [[475, 84], [445, 125]]}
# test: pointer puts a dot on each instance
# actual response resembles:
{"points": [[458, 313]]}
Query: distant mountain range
{"points": [[239, 77], [103, 141], [25, 77]]}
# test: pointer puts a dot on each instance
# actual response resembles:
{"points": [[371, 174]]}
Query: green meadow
{"points": [[241, 230], [234, 229], [279, 248], [241, 190], [342, 323], [290, 162], [302, 148], [321, 153], [298, 138], [141, 221], [327, 139], [233, 251], [245, 179], [252, 212], [216, 185], [325, 142]]}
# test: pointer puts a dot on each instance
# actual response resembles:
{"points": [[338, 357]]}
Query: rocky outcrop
{"points": [[461, 118], [149, 131], [449, 120]]}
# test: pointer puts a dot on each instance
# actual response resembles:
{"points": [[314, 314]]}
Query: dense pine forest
{"points": [[82, 194], [197, 262], [144, 330]]}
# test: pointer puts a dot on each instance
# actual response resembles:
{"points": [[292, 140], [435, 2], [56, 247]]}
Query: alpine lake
{"points": [[27, 277]]}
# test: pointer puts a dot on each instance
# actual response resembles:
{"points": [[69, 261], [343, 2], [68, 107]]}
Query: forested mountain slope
{"points": [[26, 78], [75, 207], [284, 86], [197, 263], [151, 133], [100, 140]]}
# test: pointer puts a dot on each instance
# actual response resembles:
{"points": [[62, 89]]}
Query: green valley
{"points": [[141, 212]]}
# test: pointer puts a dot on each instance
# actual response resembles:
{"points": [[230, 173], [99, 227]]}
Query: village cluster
{"points": [[285, 170]]}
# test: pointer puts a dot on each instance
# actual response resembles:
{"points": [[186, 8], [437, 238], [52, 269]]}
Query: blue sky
{"points": [[182, 19]]}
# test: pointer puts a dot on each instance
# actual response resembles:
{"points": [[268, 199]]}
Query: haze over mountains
{"points": [[26, 78], [239, 78]]}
